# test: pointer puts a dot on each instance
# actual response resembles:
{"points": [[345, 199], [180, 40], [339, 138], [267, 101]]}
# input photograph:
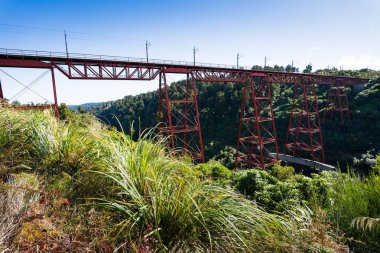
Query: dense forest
{"points": [[219, 107]]}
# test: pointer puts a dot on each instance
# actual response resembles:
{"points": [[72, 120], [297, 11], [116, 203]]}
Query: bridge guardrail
{"points": [[48, 54]]}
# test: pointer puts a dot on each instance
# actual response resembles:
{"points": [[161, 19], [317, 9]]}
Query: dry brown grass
{"points": [[15, 196]]}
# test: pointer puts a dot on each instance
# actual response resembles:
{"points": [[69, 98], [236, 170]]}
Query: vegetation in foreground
{"points": [[77, 185]]}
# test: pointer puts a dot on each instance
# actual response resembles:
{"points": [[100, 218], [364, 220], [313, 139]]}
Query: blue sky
{"points": [[325, 33]]}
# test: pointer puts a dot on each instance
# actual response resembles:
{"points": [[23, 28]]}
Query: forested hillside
{"points": [[219, 107]]}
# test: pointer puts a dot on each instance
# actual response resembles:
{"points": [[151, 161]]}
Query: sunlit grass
{"points": [[162, 200]]}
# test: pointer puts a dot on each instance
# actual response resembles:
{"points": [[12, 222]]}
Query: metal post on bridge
{"points": [[147, 45], [195, 50]]}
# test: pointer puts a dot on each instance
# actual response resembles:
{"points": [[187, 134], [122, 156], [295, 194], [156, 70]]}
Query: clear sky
{"points": [[324, 32]]}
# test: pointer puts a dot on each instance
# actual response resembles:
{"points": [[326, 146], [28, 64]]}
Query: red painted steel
{"points": [[54, 92], [106, 71], [178, 116], [219, 75], [257, 130], [19, 63], [337, 102], [304, 135]]}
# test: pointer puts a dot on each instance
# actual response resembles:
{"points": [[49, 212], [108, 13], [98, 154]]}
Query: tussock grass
{"points": [[163, 201], [354, 200]]}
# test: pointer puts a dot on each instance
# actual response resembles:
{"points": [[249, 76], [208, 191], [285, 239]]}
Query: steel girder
{"points": [[219, 75], [24, 63], [106, 71], [178, 116], [257, 130], [304, 135]]}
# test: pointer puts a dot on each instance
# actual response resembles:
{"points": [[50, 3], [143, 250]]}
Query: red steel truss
{"points": [[304, 135], [337, 102], [257, 131], [219, 75], [178, 115], [109, 71]]}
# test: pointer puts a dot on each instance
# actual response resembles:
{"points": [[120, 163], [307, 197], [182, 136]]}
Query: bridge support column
{"points": [[304, 135], [257, 130], [178, 116], [1, 91], [54, 92], [337, 102]]}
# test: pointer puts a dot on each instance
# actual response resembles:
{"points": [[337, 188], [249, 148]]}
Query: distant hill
{"points": [[85, 106]]}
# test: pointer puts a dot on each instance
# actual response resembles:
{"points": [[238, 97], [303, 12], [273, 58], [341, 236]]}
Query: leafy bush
{"points": [[282, 173], [226, 157], [213, 169], [312, 191], [267, 190]]}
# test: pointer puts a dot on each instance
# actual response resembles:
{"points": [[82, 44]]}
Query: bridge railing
{"points": [[118, 59], [63, 55]]}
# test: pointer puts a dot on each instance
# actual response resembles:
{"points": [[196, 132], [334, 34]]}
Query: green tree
{"points": [[308, 69]]}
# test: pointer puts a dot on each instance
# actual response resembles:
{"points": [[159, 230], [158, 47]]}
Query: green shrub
{"points": [[226, 156], [214, 169], [312, 191], [282, 173], [267, 190], [279, 197]]}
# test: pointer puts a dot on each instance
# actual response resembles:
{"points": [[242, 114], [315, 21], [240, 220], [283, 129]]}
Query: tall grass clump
{"points": [[355, 206], [37, 140], [164, 206]]}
